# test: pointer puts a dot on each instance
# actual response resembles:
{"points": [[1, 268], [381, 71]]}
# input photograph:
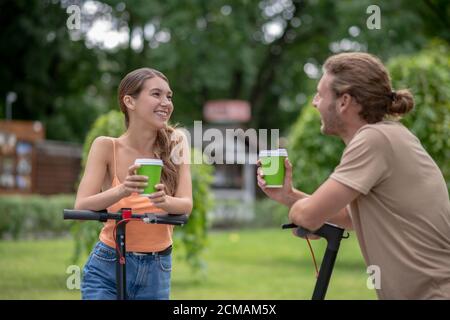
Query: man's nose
{"points": [[314, 102]]}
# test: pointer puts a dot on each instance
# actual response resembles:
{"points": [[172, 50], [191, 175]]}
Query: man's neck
{"points": [[351, 130]]}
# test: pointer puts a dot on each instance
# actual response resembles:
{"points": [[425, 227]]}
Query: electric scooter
{"points": [[333, 234], [122, 218]]}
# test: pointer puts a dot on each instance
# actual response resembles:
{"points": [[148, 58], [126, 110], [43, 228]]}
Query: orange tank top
{"points": [[140, 237]]}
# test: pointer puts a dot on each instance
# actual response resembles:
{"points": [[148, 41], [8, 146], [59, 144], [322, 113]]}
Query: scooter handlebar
{"points": [[174, 219], [152, 218], [332, 233], [82, 215]]}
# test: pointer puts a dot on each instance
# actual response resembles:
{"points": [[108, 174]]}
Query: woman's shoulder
{"points": [[100, 150], [103, 143]]}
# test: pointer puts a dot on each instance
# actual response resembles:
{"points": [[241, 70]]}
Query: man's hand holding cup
{"points": [[274, 175]]}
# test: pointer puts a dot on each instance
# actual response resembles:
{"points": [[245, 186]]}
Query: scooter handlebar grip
{"points": [[81, 215], [301, 232]]}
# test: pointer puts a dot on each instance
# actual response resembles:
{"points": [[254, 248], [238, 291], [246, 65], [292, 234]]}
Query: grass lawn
{"points": [[241, 264]]}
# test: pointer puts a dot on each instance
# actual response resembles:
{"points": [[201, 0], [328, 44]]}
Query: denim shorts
{"points": [[147, 276]]}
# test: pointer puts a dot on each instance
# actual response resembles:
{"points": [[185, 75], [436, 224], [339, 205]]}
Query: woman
{"points": [[145, 99]]}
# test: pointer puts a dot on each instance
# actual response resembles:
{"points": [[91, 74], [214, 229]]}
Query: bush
{"points": [[192, 237], [236, 214], [269, 214], [427, 75], [32, 216]]}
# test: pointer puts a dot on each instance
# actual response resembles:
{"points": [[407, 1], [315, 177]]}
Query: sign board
{"points": [[227, 111]]}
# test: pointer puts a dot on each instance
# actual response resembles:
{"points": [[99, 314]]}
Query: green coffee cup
{"points": [[152, 169], [272, 164]]}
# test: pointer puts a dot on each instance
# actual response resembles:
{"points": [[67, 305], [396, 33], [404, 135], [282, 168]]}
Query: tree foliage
{"points": [[50, 73], [264, 51], [427, 74]]}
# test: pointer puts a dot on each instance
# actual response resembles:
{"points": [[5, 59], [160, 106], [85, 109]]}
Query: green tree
{"points": [[427, 74], [267, 52], [50, 73]]}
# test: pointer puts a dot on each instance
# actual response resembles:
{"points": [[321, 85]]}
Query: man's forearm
{"points": [[293, 196], [342, 219]]}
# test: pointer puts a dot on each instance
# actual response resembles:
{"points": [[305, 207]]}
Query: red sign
{"points": [[227, 111]]}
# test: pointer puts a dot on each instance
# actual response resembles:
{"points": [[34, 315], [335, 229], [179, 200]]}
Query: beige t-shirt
{"points": [[402, 217]]}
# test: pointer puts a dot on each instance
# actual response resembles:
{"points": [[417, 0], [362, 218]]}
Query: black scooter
{"points": [[122, 219], [333, 234]]}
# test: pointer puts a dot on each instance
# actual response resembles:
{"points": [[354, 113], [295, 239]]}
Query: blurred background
{"points": [[236, 64]]}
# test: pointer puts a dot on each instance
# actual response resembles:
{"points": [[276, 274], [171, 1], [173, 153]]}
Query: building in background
{"points": [[234, 183], [29, 164]]}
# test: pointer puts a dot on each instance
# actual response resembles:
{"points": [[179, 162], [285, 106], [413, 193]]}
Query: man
{"points": [[386, 186]]}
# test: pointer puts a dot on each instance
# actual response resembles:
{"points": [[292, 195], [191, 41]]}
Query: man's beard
{"points": [[331, 123]]}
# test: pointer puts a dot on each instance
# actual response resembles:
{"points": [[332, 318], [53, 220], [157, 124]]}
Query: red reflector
{"points": [[126, 213]]}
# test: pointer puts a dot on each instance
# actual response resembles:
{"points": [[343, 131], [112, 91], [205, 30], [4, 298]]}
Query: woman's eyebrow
{"points": [[160, 90]]}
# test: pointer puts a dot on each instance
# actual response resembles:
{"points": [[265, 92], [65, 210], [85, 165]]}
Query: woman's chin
{"points": [[160, 125]]}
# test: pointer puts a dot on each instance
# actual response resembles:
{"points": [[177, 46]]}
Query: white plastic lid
{"points": [[155, 162], [273, 153]]}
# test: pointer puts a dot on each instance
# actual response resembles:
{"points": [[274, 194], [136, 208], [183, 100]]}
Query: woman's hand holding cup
{"points": [[133, 183], [159, 198]]}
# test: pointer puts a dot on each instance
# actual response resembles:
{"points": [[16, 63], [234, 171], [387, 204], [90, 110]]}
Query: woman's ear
{"points": [[129, 102]]}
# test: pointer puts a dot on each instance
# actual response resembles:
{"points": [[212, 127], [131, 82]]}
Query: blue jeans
{"points": [[148, 276]]}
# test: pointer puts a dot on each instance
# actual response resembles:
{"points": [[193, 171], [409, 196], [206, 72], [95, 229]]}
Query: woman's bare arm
{"points": [[90, 195]]}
